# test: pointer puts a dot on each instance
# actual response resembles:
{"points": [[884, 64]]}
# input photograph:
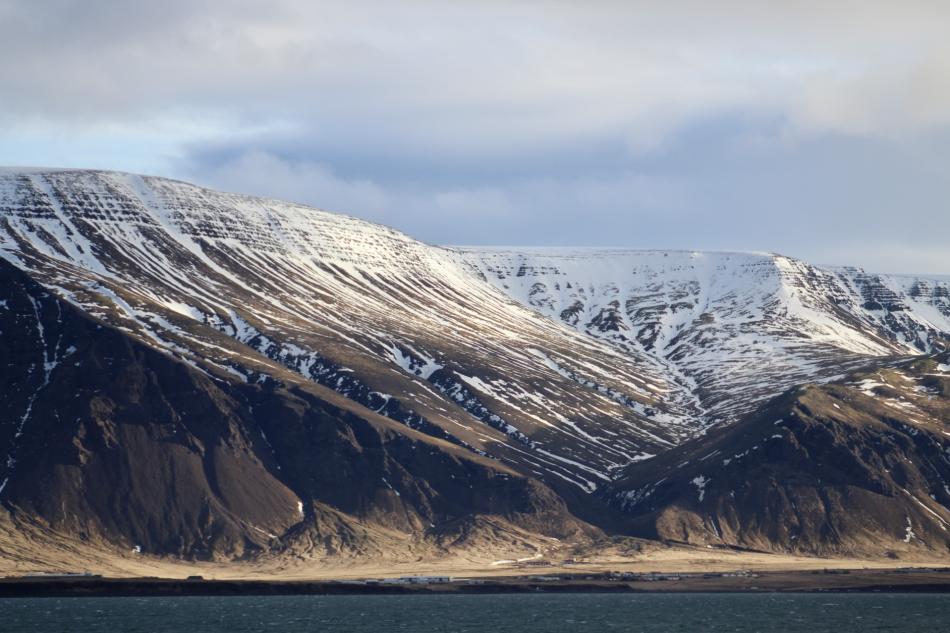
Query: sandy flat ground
{"points": [[42, 553]]}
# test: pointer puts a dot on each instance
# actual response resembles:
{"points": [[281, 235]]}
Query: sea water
{"points": [[550, 613]]}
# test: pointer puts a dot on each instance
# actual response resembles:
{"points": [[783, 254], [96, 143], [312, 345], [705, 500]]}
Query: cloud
{"points": [[477, 75], [682, 124], [839, 201], [263, 174], [525, 210], [890, 102]]}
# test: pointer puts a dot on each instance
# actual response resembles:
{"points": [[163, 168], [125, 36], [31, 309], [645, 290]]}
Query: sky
{"points": [[820, 130]]}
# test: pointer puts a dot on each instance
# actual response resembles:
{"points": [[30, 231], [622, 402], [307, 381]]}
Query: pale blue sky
{"points": [[816, 129]]}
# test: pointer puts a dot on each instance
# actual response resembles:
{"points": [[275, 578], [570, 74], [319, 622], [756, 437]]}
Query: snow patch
{"points": [[909, 532], [700, 483]]}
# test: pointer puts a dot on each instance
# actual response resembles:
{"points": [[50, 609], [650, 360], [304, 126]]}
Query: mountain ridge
{"points": [[660, 302], [571, 372]]}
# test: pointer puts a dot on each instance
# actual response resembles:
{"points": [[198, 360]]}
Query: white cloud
{"points": [[894, 102], [478, 75], [546, 122]]}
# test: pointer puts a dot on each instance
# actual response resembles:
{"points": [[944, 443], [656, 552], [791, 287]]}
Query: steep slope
{"points": [[734, 329], [117, 443], [860, 467], [200, 374], [390, 323]]}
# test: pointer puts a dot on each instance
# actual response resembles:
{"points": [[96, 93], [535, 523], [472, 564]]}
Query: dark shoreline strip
{"points": [[100, 587]]}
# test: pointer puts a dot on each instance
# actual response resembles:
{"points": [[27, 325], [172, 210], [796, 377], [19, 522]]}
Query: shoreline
{"points": [[825, 581]]}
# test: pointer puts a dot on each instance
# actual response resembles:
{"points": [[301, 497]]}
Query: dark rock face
{"points": [[878, 296], [116, 442]]}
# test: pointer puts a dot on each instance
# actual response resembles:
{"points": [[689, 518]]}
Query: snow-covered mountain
{"points": [[248, 374], [733, 328], [232, 284]]}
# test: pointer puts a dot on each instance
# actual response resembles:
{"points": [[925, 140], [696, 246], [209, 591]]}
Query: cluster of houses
{"points": [[613, 575], [413, 580]]}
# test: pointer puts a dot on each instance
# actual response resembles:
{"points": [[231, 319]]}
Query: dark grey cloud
{"points": [[834, 200], [816, 130]]}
